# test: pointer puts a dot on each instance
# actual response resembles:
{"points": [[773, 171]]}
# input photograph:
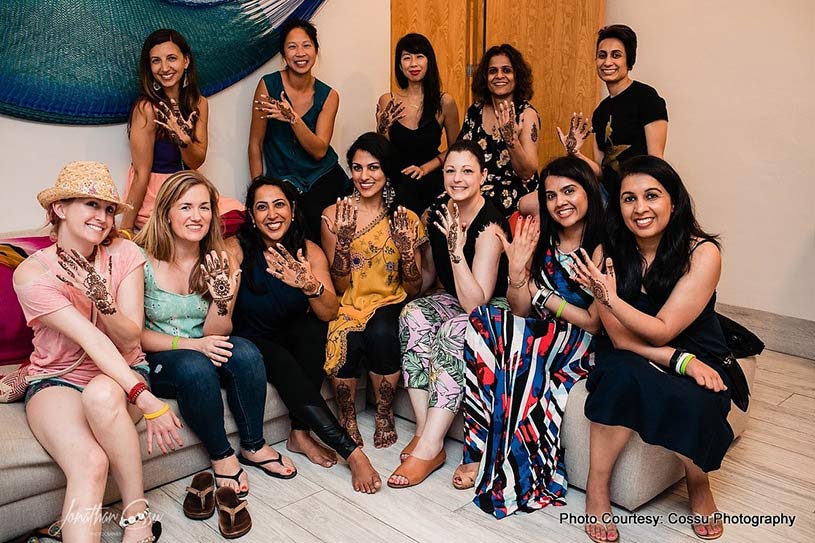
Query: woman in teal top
{"points": [[189, 289], [292, 125]]}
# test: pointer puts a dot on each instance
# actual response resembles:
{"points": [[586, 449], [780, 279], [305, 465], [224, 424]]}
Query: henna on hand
{"points": [[216, 274], [286, 110], [96, 286], [386, 117], [599, 291]]}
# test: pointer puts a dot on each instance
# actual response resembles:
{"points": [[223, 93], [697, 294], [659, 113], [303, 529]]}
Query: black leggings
{"points": [[376, 347], [322, 194], [294, 366]]}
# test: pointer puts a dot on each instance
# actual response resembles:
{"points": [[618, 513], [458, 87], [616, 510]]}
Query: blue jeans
{"points": [[191, 378]]}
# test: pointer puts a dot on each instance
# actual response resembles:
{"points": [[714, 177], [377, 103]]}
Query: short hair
{"points": [[291, 24], [468, 146], [626, 35], [523, 74]]}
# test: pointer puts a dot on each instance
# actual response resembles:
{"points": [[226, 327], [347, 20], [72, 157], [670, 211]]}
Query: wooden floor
{"points": [[770, 470]]}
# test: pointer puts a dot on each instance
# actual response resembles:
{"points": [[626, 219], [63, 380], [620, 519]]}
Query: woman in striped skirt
{"points": [[522, 363]]}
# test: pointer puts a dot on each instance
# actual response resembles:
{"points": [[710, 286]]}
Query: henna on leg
{"points": [[385, 427], [345, 391]]}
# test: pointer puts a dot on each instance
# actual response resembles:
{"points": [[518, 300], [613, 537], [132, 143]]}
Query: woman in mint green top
{"points": [[189, 287], [292, 125]]}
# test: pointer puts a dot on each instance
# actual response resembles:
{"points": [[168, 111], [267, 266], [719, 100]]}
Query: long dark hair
{"points": [[577, 170], [249, 236], [381, 149], [189, 96], [672, 259], [431, 84], [523, 75]]}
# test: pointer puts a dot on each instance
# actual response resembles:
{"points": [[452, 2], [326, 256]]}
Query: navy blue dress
{"points": [[665, 409]]}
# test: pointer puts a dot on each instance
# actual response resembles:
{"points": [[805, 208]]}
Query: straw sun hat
{"points": [[84, 179]]}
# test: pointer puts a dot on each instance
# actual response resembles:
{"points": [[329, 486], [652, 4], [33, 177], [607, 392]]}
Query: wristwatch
{"points": [[318, 293]]}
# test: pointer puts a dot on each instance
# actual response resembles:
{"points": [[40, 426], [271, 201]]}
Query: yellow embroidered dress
{"points": [[375, 282]]}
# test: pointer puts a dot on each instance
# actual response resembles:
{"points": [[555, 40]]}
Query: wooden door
{"points": [[454, 27], [557, 37]]}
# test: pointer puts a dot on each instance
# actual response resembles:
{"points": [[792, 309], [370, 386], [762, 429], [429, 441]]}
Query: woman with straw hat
{"points": [[83, 297]]}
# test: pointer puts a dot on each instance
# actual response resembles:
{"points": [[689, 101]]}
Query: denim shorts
{"points": [[142, 369]]}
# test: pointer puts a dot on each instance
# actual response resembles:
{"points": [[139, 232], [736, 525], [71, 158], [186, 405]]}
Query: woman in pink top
{"points": [[83, 296]]}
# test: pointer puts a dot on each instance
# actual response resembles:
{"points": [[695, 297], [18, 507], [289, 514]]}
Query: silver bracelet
{"points": [[540, 298], [124, 522]]}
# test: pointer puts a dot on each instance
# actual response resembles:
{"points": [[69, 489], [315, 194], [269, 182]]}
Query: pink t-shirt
{"points": [[47, 294]]}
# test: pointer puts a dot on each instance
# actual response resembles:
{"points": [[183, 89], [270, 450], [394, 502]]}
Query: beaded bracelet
{"points": [[157, 414], [137, 389], [124, 522]]}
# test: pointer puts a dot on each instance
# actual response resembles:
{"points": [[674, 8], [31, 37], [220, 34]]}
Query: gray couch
{"points": [[642, 470], [32, 486]]}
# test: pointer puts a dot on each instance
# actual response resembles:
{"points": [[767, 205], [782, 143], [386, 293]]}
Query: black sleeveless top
{"points": [[265, 314], [416, 147], [488, 215]]}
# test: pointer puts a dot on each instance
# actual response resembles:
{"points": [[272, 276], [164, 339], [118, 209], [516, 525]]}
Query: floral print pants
{"points": [[431, 335]]}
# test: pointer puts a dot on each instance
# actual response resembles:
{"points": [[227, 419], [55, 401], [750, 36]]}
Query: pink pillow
{"points": [[15, 335]]}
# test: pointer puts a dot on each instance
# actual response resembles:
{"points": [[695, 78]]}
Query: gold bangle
{"points": [[157, 414], [126, 233], [517, 285]]}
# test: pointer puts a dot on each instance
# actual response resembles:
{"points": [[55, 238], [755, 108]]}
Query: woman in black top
{"points": [[659, 371], [285, 298], [413, 119]]}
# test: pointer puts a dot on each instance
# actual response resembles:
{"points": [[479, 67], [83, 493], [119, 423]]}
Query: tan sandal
{"points": [[233, 518], [416, 470], [408, 450], [467, 481]]}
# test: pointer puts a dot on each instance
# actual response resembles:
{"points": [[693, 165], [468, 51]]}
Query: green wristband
{"points": [[560, 309], [175, 342], [685, 362]]}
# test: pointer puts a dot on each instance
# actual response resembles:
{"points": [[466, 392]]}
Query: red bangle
{"points": [[137, 389]]}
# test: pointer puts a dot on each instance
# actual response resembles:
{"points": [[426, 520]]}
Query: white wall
{"points": [[354, 59], [738, 77]]}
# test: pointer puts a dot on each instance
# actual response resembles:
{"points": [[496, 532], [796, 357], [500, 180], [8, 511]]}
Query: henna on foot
{"points": [[347, 412], [385, 427]]}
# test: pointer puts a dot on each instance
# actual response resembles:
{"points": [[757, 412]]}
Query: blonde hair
{"points": [[157, 237]]}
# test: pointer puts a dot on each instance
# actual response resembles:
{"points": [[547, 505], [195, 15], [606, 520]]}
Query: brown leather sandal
{"points": [[199, 503], [408, 450], [233, 517], [416, 470]]}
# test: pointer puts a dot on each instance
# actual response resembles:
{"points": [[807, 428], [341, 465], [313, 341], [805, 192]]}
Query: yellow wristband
{"points": [[175, 342], [560, 309], [157, 414]]}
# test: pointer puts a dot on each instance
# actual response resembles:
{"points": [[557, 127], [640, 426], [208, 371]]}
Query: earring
{"points": [[389, 194], [186, 80], [156, 86]]}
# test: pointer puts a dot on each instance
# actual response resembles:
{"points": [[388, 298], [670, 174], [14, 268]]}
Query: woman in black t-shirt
{"points": [[631, 121]]}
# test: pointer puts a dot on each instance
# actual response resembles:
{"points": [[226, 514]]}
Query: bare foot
{"points": [[230, 466], [363, 475], [268, 453], [300, 441]]}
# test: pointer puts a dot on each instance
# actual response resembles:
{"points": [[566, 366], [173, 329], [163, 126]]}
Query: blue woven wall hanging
{"points": [[76, 61]]}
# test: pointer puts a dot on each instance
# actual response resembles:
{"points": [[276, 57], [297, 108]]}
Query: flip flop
{"points": [[707, 537], [408, 450], [467, 481], [246, 462], [604, 525], [236, 478], [233, 518], [416, 470], [199, 503]]}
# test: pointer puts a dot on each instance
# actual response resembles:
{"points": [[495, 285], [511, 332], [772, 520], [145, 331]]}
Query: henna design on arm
{"points": [[534, 133]]}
